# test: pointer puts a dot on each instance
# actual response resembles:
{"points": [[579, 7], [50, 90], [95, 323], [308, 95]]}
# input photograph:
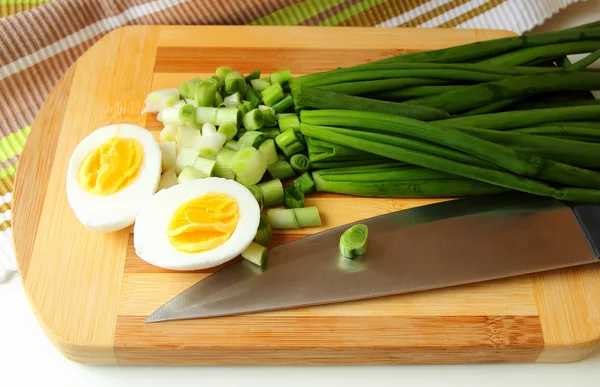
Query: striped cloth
{"points": [[40, 39]]}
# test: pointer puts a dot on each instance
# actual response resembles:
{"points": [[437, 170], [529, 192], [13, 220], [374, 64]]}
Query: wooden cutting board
{"points": [[91, 292]]}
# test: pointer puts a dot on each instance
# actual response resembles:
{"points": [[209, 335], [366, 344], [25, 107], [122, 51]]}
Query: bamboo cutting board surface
{"points": [[91, 293]]}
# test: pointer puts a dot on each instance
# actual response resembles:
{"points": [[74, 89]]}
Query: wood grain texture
{"points": [[91, 292]]}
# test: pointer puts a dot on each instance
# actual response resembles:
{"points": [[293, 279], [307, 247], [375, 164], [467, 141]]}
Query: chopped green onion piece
{"points": [[257, 193], [167, 179], [229, 130], [282, 218], [300, 163], [253, 120], [233, 145], [248, 105], [185, 157], [289, 143], [281, 77], [217, 116], [268, 150], [217, 80], [249, 166], [253, 97], [353, 241], [272, 94], [305, 184], [209, 146], [186, 90], [168, 133], [293, 197], [251, 139], [240, 133], [189, 173], [218, 99], [264, 234], [170, 115], [222, 71], [281, 169], [205, 166], [160, 99], [204, 94], [272, 192], [243, 110], [187, 137], [260, 84], [208, 129], [234, 81], [234, 99], [224, 164], [168, 151], [268, 114], [191, 102], [284, 104], [270, 132], [255, 253], [253, 75], [187, 115], [307, 216]]}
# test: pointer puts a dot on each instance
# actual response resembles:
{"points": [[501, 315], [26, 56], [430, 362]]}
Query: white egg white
{"points": [[119, 210], [150, 237]]}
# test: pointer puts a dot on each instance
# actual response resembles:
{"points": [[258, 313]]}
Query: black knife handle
{"points": [[588, 217]]}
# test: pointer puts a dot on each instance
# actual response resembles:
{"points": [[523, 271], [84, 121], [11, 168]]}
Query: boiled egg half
{"points": [[111, 173], [196, 225]]}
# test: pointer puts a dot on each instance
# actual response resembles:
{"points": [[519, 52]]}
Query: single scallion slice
{"points": [[187, 116], [160, 99], [293, 197], [217, 80], [229, 130], [224, 164], [282, 218], [288, 121], [234, 99], [305, 184], [281, 170], [264, 234], [205, 166], [300, 163], [267, 148], [243, 109], [281, 77], [249, 166], [270, 132], [191, 102], [253, 120], [233, 145], [222, 71], [167, 179], [272, 192], [253, 75], [255, 253], [248, 105], [187, 137], [217, 116], [307, 216], [289, 143], [353, 241], [284, 104], [208, 129], [251, 139], [185, 157], [268, 115], [272, 94], [189, 173], [234, 81], [168, 133], [209, 146], [170, 115], [260, 84], [186, 90], [218, 99], [257, 193], [253, 97], [204, 94]]}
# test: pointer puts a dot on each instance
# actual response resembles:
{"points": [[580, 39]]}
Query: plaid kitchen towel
{"points": [[40, 39]]}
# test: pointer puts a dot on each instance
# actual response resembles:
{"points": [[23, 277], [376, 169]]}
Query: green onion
{"points": [[281, 77], [249, 166], [234, 99], [189, 173], [300, 163], [240, 133], [205, 166], [264, 234], [187, 137], [255, 253], [293, 197], [257, 193], [217, 80], [251, 139], [234, 81], [253, 75], [170, 115], [585, 62], [260, 84], [187, 115], [353, 241], [185, 157], [272, 192], [248, 105], [289, 143], [281, 169], [224, 164], [218, 99], [208, 129], [288, 121], [229, 130], [526, 55], [268, 150], [209, 146], [253, 97], [268, 115], [253, 120], [307, 216], [282, 218], [217, 116], [305, 184], [243, 110], [160, 99], [284, 104], [222, 71], [272, 94], [192, 102], [233, 145], [270, 132], [412, 92], [186, 90], [205, 93]]}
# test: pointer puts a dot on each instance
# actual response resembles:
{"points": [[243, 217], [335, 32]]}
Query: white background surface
{"points": [[28, 358]]}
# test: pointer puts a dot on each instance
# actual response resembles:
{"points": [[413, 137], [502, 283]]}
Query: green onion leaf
{"points": [[293, 197], [272, 94], [353, 241], [289, 143]]}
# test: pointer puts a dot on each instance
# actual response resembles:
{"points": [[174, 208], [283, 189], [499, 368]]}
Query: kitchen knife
{"points": [[439, 245]]}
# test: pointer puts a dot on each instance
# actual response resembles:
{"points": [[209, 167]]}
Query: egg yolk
{"points": [[203, 223], [112, 166]]}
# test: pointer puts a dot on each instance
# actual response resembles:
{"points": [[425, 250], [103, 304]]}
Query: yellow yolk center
{"points": [[112, 166], [203, 223]]}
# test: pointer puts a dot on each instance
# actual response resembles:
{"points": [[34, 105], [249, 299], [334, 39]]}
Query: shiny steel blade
{"points": [[439, 245]]}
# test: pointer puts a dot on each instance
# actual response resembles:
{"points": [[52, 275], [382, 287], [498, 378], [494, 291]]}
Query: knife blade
{"points": [[433, 246]]}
